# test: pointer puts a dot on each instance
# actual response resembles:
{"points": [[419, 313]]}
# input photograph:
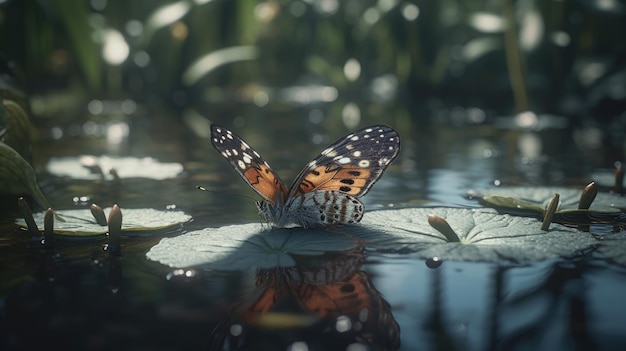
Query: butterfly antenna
{"points": [[200, 187]]}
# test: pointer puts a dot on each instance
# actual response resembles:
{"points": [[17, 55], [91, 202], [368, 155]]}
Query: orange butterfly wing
{"points": [[351, 164], [249, 164]]}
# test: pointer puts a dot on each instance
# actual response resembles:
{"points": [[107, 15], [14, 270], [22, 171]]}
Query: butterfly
{"points": [[326, 191]]}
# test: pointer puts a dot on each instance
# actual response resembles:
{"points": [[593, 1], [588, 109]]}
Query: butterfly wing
{"points": [[351, 164], [248, 163]]}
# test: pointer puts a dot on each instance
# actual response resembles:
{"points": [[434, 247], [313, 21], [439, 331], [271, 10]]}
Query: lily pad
{"points": [[483, 235], [538, 198], [95, 167], [246, 247], [81, 223]]}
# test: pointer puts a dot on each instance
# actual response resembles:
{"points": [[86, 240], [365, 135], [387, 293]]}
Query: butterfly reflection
{"points": [[325, 301]]}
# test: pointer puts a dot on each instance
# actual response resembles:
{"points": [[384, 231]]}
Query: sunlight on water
{"points": [[298, 346], [115, 50]]}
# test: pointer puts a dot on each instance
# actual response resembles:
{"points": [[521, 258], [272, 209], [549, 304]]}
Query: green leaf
{"points": [[74, 15], [18, 177], [17, 134]]}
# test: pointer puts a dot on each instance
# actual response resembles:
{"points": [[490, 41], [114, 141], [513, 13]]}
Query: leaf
{"points": [[74, 16], [246, 247], [485, 235], [81, 223], [18, 128], [512, 203], [18, 177]]}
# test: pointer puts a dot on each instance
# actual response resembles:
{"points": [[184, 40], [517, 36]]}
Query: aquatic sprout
{"points": [[98, 214], [443, 227], [549, 212], [115, 231], [31, 226], [48, 227]]}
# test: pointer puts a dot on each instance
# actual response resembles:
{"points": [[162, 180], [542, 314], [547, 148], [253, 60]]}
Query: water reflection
{"points": [[328, 299]]}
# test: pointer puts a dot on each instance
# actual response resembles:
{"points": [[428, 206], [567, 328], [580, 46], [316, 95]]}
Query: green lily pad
{"points": [[81, 223], [484, 235], [538, 198], [95, 167], [18, 177], [246, 247]]}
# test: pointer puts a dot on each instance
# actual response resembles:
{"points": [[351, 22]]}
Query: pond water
{"points": [[73, 296]]}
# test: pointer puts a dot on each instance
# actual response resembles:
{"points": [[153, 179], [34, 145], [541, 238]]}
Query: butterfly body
{"points": [[326, 191], [313, 209]]}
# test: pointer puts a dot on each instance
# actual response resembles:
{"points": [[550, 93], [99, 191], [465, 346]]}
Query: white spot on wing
{"points": [[330, 152], [344, 160], [241, 164], [246, 158], [354, 138], [356, 153], [364, 163]]}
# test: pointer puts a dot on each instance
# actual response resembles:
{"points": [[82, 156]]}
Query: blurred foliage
{"points": [[559, 56]]}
